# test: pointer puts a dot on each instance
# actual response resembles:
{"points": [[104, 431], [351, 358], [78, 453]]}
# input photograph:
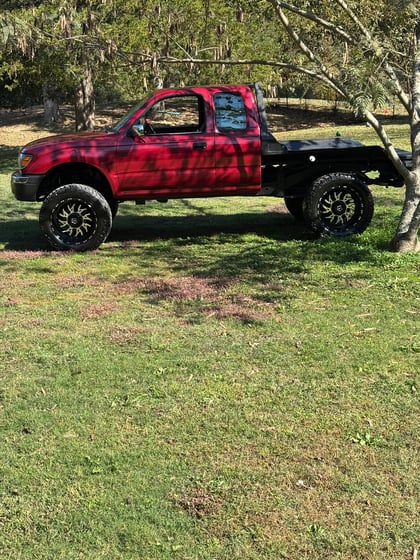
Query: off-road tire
{"points": [[338, 204], [75, 217]]}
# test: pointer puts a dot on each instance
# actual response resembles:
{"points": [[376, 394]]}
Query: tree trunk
{"points": [[406, 237], [51, 109], [85, 102]]}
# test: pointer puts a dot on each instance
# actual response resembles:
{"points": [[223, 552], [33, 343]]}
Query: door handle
{"points": [[199, 145]]}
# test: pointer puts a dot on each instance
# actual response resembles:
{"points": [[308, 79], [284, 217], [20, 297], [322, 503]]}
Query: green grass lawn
{"points": [[212, 383]]}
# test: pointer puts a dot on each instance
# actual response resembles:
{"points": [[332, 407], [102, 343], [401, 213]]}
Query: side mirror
{"points": [[138, 129]]}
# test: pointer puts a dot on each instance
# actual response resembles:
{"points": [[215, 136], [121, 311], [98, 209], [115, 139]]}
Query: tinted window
{"points": [[230, 111]]}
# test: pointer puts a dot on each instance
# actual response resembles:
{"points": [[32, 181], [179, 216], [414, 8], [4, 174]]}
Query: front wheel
{"points": [[75, 217], [338, 204]]}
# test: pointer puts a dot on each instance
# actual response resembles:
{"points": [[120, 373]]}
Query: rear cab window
{"points": [[230, 112]]}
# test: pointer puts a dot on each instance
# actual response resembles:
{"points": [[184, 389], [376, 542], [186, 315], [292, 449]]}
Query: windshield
{"points": [[116, 127]]}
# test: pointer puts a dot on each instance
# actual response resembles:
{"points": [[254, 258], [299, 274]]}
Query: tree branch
{"points": [[145, 58], [377, 126], [372, 44], [388, 145], [308, 52], [316, 19], [375, 46]]}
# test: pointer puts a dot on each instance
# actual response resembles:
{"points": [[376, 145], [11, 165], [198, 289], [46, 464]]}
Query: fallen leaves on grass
{"points": [[210, 297], [198, 503], [122, 335], [23, 255], [97, 310]]}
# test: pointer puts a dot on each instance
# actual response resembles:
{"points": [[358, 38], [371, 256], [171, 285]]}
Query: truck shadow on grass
{"points": [[272, 239], [22, 234], [264, 242], [270, 224]]}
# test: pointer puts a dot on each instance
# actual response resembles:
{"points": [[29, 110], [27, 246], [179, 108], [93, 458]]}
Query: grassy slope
{"points": [[211, 383]]}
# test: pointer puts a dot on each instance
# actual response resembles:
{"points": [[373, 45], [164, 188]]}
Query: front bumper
{"points": [[25, 187]]}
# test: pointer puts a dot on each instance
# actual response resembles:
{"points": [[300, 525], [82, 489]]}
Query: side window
{"points": [[230, 111], [176, 115]]}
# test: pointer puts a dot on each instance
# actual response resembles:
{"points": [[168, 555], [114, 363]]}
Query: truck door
{"points": [[173, 155], [237, 145]]}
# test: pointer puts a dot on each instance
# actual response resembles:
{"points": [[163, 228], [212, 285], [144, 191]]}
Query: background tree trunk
{"points": [[85, 102], [51, 109]]}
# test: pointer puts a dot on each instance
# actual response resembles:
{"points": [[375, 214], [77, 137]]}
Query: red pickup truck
{"points": [[196, 142]]}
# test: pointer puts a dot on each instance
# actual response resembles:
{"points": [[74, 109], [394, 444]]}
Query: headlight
{"points": [[24, 160]]}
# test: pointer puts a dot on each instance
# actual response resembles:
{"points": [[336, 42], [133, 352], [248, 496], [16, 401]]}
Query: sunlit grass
{"points": [[213, 382]]}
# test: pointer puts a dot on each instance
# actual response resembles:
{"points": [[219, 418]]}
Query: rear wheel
{"points": [[295, 206], [338, 204], [75, 217]]}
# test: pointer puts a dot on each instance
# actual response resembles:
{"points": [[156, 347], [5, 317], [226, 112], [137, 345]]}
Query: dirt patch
{"points": [[282, 118], [20, 126], [194, 297], [186, 287], [6, 256], [98, 310], [123, 335], [198, 503]]}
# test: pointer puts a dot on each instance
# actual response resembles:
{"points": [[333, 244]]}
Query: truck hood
{"points": [[94, 148], [73, 140]]}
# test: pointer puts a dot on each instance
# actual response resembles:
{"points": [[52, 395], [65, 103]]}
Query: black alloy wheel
{"points": [[75, 217], [338, 204]]}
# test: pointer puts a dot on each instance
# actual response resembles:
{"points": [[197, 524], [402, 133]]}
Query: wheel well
{"points": [[300, 186], [75, 173]]}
